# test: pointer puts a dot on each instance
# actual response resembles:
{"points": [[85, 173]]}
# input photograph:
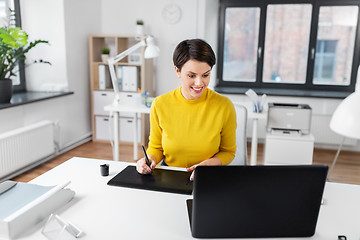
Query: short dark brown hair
{"points": [[195, 49]]}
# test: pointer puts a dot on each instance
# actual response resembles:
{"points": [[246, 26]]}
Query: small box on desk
{"points": [[24, 205]]}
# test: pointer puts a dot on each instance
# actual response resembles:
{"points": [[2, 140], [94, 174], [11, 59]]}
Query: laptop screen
{"points": [[256, 201]]}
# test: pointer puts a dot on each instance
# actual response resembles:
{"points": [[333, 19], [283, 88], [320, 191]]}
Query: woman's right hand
{"points": [[143, 168]]}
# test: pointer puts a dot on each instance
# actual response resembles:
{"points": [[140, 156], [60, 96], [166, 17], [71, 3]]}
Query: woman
{"points": [[191, 125]]}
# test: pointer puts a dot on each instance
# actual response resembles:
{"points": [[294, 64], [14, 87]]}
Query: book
{"points": [[104, 77]]}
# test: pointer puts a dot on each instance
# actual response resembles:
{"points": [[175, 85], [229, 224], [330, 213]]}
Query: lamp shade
{"points": [[151, 50], [346, 118]]}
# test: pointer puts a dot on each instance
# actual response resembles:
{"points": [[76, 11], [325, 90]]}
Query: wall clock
{"points": [[171, 13]]}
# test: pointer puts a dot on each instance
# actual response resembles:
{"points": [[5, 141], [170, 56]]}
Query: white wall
{"points": [[66, 24], [119, 17], [35, 14]]}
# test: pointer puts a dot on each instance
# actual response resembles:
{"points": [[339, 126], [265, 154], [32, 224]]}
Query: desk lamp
{"points": [[346, 121], [151, 51]]}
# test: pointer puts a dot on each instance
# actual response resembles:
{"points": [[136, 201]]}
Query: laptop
{"points": [[163, 180], [256, 201]]}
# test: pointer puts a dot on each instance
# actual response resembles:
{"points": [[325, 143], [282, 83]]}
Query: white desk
{"points": [[254, 137], [132, 108], [107, 212]]}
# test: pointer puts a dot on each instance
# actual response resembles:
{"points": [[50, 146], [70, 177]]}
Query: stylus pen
{"points": [[146, 156]]}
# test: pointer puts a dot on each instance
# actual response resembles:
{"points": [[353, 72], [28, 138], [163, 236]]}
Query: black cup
{"points": [[104, 170]]}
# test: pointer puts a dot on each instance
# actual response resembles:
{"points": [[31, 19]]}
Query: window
{"points": [[240, 44], [283, 45], [286, 43], [19, 79], [335, 45]]}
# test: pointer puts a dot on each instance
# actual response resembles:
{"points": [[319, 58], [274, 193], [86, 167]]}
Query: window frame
{"points": [[265, 87], [22, 86]]}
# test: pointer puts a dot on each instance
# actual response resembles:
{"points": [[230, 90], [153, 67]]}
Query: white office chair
{"points": [[241, 143]]}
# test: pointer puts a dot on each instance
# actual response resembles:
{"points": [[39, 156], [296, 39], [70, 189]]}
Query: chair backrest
{"points": [[241, 143]]}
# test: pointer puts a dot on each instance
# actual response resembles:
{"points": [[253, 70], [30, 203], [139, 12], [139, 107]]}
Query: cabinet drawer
{"points": [[129, 98], [104, 128], [101, 99], [126, 130]]}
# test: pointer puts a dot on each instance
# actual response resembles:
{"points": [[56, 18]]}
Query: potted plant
{"points": [[139, 27], [13, 47], [105, 54]]}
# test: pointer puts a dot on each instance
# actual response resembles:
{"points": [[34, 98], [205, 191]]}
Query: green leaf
{"points": [[13, 47], [14, 37]]}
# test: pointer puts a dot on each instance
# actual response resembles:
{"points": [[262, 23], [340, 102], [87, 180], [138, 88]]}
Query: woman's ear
{"points": [[177, 70]]}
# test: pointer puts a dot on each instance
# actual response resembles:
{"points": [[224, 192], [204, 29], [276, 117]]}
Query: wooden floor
{"points": [[347, 168]]}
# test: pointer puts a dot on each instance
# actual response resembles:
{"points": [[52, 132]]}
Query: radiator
{"points": [[25, 146]]}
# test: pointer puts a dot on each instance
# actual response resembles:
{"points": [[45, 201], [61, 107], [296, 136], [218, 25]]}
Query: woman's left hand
{"points": [[214, 161]]}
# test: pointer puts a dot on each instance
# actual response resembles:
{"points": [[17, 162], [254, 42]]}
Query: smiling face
{"points": [[195, 78]]}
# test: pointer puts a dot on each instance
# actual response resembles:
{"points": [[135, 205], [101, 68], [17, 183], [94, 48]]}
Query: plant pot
{"points": [[6, 90], [139, 29], [104, 58]]}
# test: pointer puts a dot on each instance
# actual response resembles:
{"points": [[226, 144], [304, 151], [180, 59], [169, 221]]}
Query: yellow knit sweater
{"points": [[186, 132]]}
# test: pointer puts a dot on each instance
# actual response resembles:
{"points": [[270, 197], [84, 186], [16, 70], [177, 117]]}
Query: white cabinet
{"points": [[137, 74], [104, 124], [289, 149], [104, 129], [126, 130]]}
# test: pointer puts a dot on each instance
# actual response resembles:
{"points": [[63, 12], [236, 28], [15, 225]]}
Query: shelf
{"points": [[22, 98], [144, 75]]}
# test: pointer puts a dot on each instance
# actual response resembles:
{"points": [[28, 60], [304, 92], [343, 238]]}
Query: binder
{"points": [[130, 78], [119, 76], [102, 77]]}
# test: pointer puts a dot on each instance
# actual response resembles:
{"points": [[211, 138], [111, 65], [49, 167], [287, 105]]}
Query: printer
{"points": [[289, 117]]}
